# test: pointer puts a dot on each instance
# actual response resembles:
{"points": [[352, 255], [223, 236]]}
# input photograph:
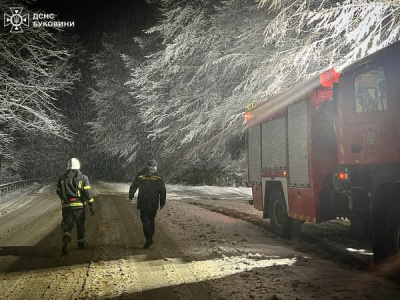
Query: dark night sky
{"points": [[93, 17], [121, 19]]}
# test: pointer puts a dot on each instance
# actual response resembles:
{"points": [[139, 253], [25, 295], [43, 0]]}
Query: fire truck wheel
{"points": [[385, 233], [279, 219], [392, 232]]}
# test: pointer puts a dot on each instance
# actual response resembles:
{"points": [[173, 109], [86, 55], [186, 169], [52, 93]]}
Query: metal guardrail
{"points": [[14, 185]]}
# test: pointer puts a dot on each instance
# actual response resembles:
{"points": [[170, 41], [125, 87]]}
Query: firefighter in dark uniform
{"points": [[74, 190], [152, 194]]}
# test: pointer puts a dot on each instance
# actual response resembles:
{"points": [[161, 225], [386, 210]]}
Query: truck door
{"points": [[368, 116]]}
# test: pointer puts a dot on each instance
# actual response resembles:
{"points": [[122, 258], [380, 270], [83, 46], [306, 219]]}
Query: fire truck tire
{"points": [[278, 216], [392, 232], [385, 234], [378, 223], [265, 213]]}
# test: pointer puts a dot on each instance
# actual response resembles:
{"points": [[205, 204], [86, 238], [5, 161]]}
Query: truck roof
{"points": [[382, 52], [272, 108]]}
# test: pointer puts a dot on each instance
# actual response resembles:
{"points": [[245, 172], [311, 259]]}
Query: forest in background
{"points": [[168, 80]]}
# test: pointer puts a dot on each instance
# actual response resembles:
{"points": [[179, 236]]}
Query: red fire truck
{"points": [[330, 147]]}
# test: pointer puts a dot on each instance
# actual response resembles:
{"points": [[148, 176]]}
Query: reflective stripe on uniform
{"points": [[73, 204], [150, 177], [79, 188], [91, 200], [63, 190], [87, 187]]}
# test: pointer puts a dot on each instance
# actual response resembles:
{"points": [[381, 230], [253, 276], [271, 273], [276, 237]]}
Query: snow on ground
{"points": [[224, 199], [210, 190], [204, 189], [15, 199], [175, 191], [230, 258], [236, 260]]}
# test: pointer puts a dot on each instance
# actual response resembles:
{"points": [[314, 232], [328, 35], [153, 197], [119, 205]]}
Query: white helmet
{"points": [[73, 164]]}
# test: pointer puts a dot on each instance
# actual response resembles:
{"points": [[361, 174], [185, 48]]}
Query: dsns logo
{"points": [[16, 20]]}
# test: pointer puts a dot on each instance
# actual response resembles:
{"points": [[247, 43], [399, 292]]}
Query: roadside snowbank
{"points": [[15, 199], [205, 191]]}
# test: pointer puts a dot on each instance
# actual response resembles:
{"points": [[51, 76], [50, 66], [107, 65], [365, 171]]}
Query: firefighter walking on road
{"points": [[152, 194], [74, 190]]}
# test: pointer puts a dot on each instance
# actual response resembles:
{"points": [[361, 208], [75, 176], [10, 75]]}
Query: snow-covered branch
{"points": [[35, 69], [315, 35], [214, 57]]}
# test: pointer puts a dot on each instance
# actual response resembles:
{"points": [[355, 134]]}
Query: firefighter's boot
{"points": [[65, 245], [65, 239], [147, 244]]}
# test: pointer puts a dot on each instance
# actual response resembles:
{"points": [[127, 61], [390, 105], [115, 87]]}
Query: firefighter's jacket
{"points": [[74, 190], [152, 192]]}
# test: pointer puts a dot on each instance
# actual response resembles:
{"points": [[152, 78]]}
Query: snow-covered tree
{"points": [[310, 36], [115, 114], [205, 60], [192, 87], [118, 129], [34, 69], [218, 56]]}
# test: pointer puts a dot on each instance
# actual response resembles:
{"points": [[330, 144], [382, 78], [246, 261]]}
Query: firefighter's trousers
{"points": [[147, 217], [70, 216]]}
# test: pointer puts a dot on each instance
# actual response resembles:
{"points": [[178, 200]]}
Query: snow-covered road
{"points": [[197, 254]]}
